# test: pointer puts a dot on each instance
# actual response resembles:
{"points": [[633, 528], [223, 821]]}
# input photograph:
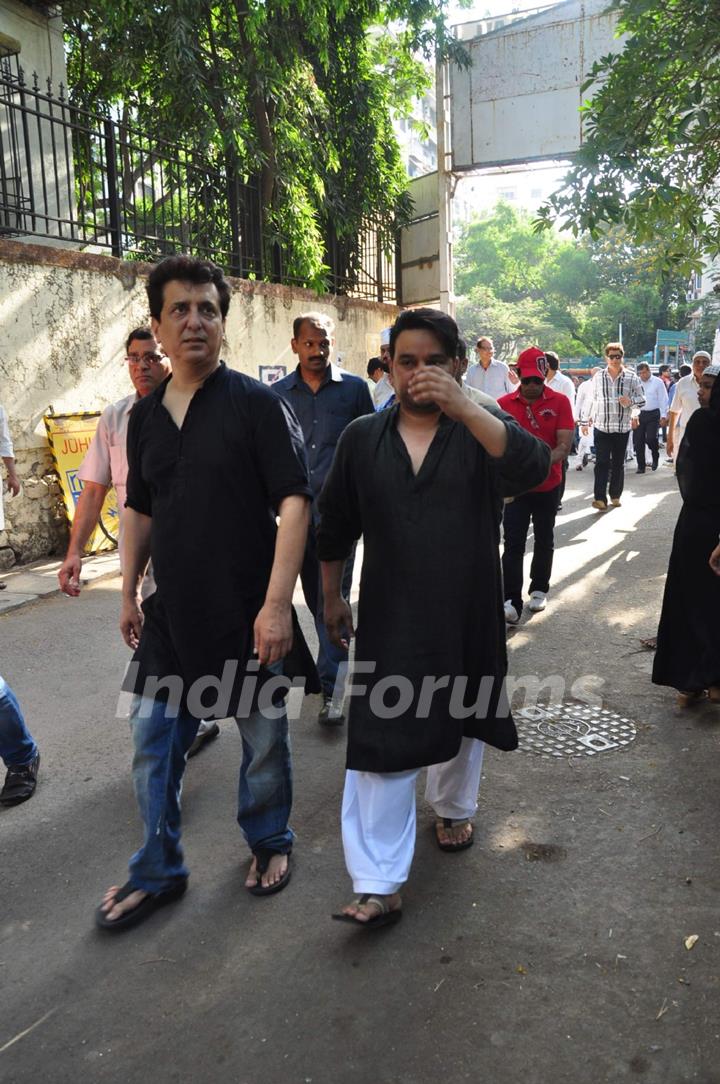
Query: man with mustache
{"points": [[325, 400]]}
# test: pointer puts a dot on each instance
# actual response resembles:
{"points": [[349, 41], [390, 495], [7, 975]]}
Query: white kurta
{"points": [[685, 403]]}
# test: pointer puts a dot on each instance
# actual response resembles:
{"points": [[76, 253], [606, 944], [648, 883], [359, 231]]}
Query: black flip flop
{"points": [[386, 917], [262, 857], [152, 902], [450, 848]]}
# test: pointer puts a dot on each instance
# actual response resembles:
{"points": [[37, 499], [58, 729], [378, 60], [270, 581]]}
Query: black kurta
{"points": [[430, 595], [688, 643], [212, 489]]}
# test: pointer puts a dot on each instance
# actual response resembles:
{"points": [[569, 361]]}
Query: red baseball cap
{"points": [[532, 362]]}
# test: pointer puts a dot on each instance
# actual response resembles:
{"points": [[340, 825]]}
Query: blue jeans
{"points": [[17, 747], [264, 789]]}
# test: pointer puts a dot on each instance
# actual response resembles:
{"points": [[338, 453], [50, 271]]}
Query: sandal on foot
{"points": [[686, 698], [650, 643], [142, 910], [446, 822], [262, 859], [714, 694], [386, 915]]}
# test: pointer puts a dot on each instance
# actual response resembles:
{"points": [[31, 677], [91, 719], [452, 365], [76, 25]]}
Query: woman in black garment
{"points": [[688, 642]]}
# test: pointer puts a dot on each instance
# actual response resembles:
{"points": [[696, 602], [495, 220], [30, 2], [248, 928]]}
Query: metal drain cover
{"points": [[571, 730]]}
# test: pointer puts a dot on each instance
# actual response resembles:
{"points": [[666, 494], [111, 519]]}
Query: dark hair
{"points": [[553, 360], [461, 350], [685, 370], [663, 368], [642, 365], [317, 319], [373, 364], [185, 269], [138, 333], [442, 326]]}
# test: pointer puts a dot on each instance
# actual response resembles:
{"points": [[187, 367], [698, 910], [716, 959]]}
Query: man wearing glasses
{"points": [[105, 463], [615, 393], [488, 374], [548, 415]]}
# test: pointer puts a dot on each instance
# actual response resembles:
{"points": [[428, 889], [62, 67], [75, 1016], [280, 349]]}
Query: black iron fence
{"points": [[83, 178]]}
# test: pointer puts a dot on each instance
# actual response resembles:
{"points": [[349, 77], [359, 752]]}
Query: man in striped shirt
{"points": [[616, 392]]}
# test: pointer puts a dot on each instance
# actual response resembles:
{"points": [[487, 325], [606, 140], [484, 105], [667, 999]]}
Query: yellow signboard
{"points": [[69, 437]]}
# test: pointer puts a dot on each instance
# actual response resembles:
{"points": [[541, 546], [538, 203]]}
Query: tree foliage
{"points": [[523, 288], [301, 93], [708, 322], [651, 157]]}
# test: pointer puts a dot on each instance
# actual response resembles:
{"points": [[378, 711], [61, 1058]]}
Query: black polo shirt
{"points": [[212, 489]]}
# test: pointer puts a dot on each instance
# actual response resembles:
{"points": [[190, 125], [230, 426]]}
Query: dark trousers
{"points": [[541, 509], [647, 433], [561, 488], [610, 451]]}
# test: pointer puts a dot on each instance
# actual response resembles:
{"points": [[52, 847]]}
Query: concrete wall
{"points": [[64, 317], [41, 41]]}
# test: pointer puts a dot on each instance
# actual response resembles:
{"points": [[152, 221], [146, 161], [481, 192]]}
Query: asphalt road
{"points": [[552, 951]]}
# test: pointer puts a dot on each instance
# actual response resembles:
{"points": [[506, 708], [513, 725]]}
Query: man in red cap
{"points": [[546, 414]]}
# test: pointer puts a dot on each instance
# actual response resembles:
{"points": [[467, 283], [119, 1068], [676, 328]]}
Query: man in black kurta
{"points": [[213, 458], [423, 483]]}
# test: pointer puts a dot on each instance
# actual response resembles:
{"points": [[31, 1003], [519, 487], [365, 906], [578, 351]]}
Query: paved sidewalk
{"points": [[577, 942], [28, 583]]}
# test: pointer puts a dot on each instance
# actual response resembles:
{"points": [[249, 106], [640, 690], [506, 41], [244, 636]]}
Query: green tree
{"points": [[521, 287], [708, 322], [651, 156], [301, 93]]}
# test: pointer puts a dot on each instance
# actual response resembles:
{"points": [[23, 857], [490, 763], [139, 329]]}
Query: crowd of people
{"points": [[437, 465]]}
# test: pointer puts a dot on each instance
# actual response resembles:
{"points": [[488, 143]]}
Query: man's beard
{"points": [[418, 408]]}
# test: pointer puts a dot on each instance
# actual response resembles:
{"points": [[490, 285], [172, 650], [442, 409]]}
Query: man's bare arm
{"points": [[135, 557], [672, 421], [562, 448], [273, 625], [87, 513]]}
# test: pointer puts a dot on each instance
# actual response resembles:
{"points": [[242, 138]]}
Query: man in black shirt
{"points": [[213, 457]]}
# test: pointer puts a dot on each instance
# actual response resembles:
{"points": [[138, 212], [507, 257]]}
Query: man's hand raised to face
{"points": [[433, 384]]}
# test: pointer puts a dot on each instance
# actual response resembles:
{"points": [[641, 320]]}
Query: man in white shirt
{"points": [[557, 381], [105, 463], [651, 417], [383, 389], [583, 398], [685, 402], [487, 374]]}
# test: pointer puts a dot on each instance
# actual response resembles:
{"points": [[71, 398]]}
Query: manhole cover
{"points": [[571, 730]]}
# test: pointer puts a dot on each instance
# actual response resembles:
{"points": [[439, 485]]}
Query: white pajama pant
{"points": [[378, 815], [586, 442]]}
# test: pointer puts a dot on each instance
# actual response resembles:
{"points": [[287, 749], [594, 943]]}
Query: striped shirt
{"points": [[604, 407]]}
